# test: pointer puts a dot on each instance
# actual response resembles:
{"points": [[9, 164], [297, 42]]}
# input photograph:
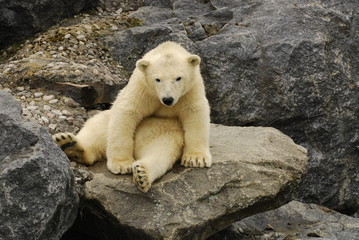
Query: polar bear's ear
{"points": [[194, 60], [142, 65]]}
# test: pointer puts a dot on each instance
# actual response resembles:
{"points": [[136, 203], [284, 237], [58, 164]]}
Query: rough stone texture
{"points": [[68, 58], [292, 65], [255, 169], [295, 220], [124, 5], [38, 199], [20, 18]]}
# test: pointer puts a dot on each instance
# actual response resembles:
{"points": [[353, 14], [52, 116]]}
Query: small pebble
{"points": [[26, 113], [20, 88], [81, 37], [53, 101], [57, 112], [45, 119], [70, 119], [95, 71], [46, 107], [32, 108], [8, 90], [73, 164], [7, 70], [69, 102], [52, 126], [66, 112], [38, 94], [47, 98], [51, 115], [114, 28]]}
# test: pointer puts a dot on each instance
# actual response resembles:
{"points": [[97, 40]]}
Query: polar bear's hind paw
{"points": [[140, 177]]}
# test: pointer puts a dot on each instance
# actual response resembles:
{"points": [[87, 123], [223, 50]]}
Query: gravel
{"points": [[71, 52], [60, 114]]}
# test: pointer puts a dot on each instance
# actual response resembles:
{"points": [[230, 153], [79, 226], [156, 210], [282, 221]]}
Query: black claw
{"points": [[140, 182], [69, 136]]}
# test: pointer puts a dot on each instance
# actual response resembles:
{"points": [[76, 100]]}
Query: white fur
{"points": [[141, 127], [142, 98]]}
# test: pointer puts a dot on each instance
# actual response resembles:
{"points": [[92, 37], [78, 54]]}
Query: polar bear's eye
{"points": [[178, 79], [158, 80]]}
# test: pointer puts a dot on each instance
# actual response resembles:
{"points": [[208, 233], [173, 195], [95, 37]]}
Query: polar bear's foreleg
{"points": [[89, 145], [158, 144], [196, 151]]}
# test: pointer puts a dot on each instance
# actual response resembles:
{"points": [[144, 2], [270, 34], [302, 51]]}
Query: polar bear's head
{"points": [[169, 75]]}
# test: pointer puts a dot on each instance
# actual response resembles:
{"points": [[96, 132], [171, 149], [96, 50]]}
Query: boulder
{"points": [[254, 169], [294, 220], [292, 65], [38, 199], [21, 19]]}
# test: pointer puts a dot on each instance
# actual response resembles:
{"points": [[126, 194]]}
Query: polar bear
{"points": [[160, 116]]}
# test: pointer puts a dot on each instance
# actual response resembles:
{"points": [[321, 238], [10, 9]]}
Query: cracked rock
{"points": [[254, 169]]}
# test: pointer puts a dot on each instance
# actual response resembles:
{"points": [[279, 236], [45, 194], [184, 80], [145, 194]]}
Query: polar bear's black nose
{"points": [[167, 101]]}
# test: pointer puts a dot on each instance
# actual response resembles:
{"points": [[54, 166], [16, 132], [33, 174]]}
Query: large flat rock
{"points": [[255, 169]]}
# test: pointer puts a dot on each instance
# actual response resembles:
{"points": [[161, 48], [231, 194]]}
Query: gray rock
{"points": [[127, 46], [38, 199], [188, 9], [255, 169], [9, 107], [20, 19], [292, 65], [152, 14], [128, 5], [295, 220]]}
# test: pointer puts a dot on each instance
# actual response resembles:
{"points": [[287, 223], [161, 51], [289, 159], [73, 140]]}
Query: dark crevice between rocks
{"points": [[94, 223]]}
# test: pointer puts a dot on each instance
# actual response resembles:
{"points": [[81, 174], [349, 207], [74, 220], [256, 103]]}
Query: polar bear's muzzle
{"points": [[167, 101]]}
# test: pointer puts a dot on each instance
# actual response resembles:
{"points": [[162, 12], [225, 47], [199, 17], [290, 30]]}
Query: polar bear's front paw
{"points": [[140, 177], [64, 140], [196, 159], [120, 166], [70, 145]]}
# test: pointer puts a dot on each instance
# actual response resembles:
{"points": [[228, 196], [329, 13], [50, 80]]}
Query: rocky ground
{"points": [[68, 52], [315, 98]]}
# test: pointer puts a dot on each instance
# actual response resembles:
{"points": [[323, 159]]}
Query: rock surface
{"points": [[38, 199], [292, 65], [69, 59], [297, 221], [255, 169], [20, 19]]}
